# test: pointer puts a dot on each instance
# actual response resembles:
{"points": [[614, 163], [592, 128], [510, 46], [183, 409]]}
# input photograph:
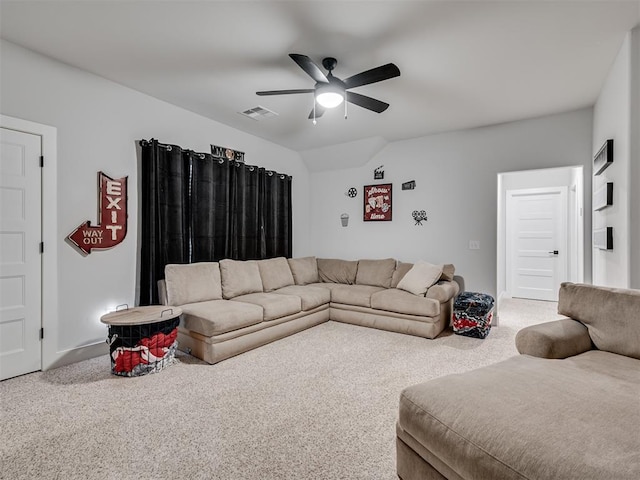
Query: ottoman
{"points": [[472, 314], [142, 339]]}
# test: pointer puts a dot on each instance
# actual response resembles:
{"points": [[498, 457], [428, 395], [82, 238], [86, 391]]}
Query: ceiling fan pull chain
{"points": [[345, 108]]}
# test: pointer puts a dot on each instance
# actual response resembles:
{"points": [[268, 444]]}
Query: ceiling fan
{"points": [[330, 91]]}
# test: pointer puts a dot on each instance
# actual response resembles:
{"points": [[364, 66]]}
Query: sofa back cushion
{"points": [[612, 315], [421, 276], [191, 283], [337, 271], [304, 270], [240, 277], [275, 273], [377, 273]]}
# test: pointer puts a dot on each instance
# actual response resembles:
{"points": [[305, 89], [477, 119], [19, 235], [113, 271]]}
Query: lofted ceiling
{"points": [[463, 64]]}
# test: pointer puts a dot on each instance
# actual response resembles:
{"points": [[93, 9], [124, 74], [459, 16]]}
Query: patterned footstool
{"points": [[472, 314]]}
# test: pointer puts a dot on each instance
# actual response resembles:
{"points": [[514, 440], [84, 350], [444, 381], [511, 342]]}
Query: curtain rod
{"points": [[202, 156]]}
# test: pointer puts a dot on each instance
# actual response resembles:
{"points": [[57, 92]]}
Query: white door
{"points": [[20, 258], [536, 243]]}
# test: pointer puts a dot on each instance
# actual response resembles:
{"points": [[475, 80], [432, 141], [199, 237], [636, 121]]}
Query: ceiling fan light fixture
{"points": [[329, 96]]}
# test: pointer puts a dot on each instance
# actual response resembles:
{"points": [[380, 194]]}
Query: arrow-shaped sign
{"points": [[112, 210]]}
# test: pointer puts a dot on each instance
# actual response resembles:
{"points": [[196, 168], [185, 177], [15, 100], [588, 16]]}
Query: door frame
{"points": [[564, 240], [49, 217], [571, 176]]}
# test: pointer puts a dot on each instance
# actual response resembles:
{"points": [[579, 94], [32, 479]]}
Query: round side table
{"points": [[142, 339]]}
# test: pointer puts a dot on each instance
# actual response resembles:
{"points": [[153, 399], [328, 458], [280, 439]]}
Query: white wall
{"points": [[98, 123], [612, 119], [456, 176]]}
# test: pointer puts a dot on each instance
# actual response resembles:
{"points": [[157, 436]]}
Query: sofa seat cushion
{"points": [[400, 301], [529, 417], [219, 316], [326, 286], [311, 297], [354, 294], [274, 305]]}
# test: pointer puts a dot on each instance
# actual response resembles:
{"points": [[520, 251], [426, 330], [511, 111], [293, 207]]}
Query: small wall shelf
{"points": [[603, 197], [603, 158], [603, 238]]}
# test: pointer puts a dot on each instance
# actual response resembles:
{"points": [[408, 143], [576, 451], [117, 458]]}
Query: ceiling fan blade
{"points": [[306, 64], [285, 92], [374, 75], [367, 102], [319, 112]]}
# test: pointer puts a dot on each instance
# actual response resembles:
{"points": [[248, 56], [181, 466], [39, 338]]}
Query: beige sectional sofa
{"points": [[566, 408], [232, 306]]}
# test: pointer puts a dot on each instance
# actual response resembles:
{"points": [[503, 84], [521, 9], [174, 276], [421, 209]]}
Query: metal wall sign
{"points": [[224, 152], [112, 217]]}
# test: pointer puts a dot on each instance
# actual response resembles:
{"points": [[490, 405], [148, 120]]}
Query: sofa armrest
{"points": [[443, 291], [558, 339], [162, 292]]}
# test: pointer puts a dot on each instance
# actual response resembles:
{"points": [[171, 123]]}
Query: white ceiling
{"points": [[463, 64]]}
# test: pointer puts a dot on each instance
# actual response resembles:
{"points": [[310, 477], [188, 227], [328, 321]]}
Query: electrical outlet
{"points": [[474, 244]]}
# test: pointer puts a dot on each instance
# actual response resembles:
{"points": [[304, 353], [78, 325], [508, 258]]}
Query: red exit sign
{"points": [[112, 212]]}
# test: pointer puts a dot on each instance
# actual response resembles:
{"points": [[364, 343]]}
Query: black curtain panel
{"points": [[164, 212], [247, 210], [210, 207], [197, 208], [277, 216]]}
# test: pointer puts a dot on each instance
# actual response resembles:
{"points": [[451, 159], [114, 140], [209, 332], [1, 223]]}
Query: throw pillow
{"points": [[421, 276]]}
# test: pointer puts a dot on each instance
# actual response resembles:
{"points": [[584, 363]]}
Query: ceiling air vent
{"points": [[258, 113]]}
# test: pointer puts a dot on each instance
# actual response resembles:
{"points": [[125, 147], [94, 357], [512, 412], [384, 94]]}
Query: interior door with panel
{"points": [[20, 257], [536, 256]]}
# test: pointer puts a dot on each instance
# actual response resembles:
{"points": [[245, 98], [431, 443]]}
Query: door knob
{"points": [[555, 252]]}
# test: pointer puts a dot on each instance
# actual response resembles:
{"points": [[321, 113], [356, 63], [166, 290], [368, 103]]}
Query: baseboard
{"points": [[78, 354]]}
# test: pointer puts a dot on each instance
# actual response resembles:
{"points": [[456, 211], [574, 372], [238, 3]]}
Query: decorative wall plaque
{"points": [[419, 216], [378, 173], [377, 202], [603, 238], [227, 153], [603, 197], [112, 217], [603, 158]]}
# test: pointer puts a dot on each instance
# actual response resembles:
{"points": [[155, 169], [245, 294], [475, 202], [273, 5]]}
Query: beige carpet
{"points": [[321, 404]]}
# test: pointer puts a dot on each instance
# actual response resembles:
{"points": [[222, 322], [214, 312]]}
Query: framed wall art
{"points": [[378, 202]]}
